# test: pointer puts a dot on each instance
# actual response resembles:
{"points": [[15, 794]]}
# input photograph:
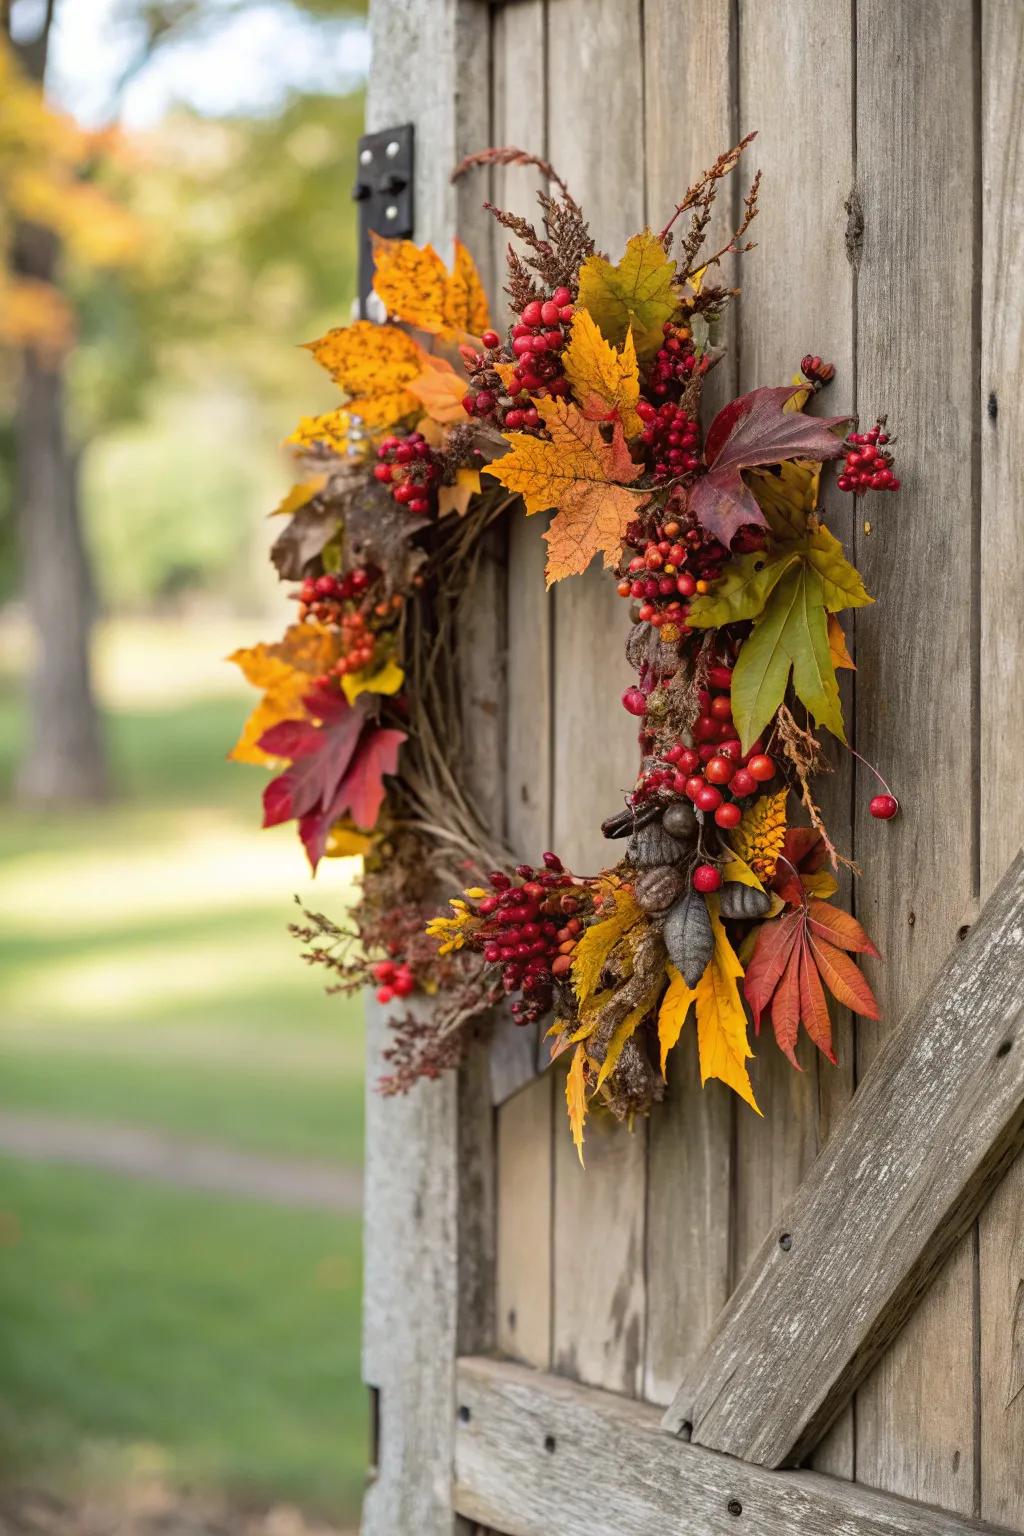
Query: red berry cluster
{"points": [[675, 363], [530, 925], [671, 437], [320, 596], [716, 764], [674, 563], [394, 980], [868, 466], [409, 465]]}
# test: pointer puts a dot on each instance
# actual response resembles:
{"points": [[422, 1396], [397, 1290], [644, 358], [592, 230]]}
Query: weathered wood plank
{"points": [[595, 67], [525, 1167], [797, 296], [930, 1132], [422, 1293], [536, 1455], [1001, 547], [916, 151], [687, 51], [525, 1151]]}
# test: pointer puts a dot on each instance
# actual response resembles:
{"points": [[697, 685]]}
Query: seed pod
{"points": [[688, 936], [625, 822], [680, 819], [651, 845], [740, 901], [658, 888], [641, 645]]}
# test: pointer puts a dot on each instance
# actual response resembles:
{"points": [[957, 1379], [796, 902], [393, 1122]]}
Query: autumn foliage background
{"points": [[174, 222]]}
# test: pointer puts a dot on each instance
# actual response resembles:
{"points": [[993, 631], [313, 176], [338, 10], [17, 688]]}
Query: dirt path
{"points": [[156, 1157]]}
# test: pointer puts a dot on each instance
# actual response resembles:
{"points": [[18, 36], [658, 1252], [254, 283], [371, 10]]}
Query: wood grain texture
{"points": [[525, 1150], [536, 1455], [688, 54], [427, 1251], [931, 1130], [797, 297], [1001, 417], [595, 70], [916, 149], [525, 1164]]}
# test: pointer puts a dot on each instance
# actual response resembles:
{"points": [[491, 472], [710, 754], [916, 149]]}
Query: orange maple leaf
{"points": [[285, 673], [440, 391], [415, 286], [582, 476]]}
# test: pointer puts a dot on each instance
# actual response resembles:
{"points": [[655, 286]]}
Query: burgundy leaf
{"points": [[748, 433]]}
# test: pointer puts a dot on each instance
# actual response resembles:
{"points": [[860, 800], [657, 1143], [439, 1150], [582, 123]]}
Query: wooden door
{"points": [[890, 135]]}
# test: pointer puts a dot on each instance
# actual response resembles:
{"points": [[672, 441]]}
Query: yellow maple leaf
{"points": [[597, 942], [439, 389], [415, 287], [675, 1006], [457, 497], [576, 1098], [759, 837], [599, 373], [636, 293], [284, 672], [837, 647], [721, 1020], [386, 679], [374, 365], [575, 471]]}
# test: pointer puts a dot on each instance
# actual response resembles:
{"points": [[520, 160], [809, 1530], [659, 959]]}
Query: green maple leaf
{"points": [[747, 582], [791, 635], [637, 292]]}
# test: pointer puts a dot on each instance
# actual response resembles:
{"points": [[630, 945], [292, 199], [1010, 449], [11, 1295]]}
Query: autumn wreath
{"points": [[588, 407]]}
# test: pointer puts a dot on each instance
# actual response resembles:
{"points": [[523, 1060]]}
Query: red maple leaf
{"points": [[748, 433], [337, 768], [802, 948]]}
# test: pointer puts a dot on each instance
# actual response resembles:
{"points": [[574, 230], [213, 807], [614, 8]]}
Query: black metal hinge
{"points": [[383, 190]]}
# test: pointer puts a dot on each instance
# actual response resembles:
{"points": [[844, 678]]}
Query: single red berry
{"points": [[728, 815], [731, 749], [884, 807], [708, 799], [688, 760], [383, 970], [561, 296], [403, 986], [761, 768], [385, 995], [706, 878], [742, 783], [533, 313], [719, 770], [721, 708], [694, 785], [720, 677], [490, 339]]}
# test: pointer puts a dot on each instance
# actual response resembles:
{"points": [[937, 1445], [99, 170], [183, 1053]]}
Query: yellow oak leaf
{"points": [[584, 478], [597, 942], [675, 1005], [284, 672], [721, 1020], [837, 644], [299, 495], [636, 293], [374, 365], [576, 1098], [386, 679], [598, 373], [439, 389], [415, 287], [760, 835], [457, 497]]}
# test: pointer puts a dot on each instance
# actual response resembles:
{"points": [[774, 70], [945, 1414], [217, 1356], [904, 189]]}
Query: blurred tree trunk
{"points": [[65, 758]]}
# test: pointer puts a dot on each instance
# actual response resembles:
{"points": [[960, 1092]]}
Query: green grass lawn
{"points": [[148, 979], [211, 1342]]}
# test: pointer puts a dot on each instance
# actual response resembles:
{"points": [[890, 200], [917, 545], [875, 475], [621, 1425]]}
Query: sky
{"points": [[239, 61]]}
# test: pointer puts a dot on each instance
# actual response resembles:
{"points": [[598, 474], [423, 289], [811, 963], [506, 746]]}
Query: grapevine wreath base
{"points": [[588, 406]]}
